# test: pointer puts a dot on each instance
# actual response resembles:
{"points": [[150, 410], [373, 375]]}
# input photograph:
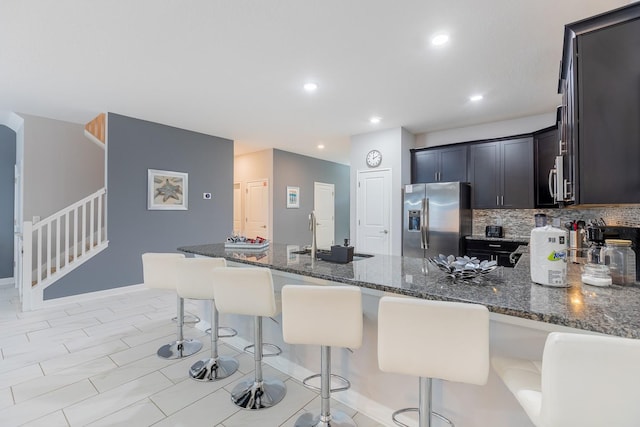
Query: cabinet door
{"points": [[453, 164], [517, 174], [424, 166], [608, 63], [545, 147], [483, 174]]}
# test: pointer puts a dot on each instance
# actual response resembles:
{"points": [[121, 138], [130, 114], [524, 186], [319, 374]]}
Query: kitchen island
{"points": [[509, 291], [522, 315]]}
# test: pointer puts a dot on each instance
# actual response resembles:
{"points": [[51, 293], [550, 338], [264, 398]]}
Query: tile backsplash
{"points": [[519, 222]]}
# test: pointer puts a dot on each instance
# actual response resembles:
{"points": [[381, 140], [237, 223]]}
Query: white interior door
{"points": [[373, 212], [324, 207], [257, 209], [237, 208]]}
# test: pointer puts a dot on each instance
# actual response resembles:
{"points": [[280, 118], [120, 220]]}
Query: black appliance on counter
{"points": [[596, 235], [493, 231]]}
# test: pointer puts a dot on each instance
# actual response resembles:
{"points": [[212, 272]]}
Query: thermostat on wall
{"points": [[206, 196]]}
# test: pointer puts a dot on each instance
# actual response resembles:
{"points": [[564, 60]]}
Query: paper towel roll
{"points": [[548, 254]]}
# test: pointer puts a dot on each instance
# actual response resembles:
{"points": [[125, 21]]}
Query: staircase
{"points": [[57, 245]]}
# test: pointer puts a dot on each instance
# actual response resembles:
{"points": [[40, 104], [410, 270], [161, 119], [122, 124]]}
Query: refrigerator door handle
{"points": [[422, 226], [426, 222]]}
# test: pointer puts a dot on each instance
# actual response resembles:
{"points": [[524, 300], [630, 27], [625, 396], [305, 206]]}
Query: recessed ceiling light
{"points": [[475, 98], [440, 39], [375, 120], [310, 87], [320, 146]]}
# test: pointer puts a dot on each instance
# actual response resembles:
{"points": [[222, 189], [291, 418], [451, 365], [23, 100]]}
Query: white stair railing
{"points": [[57, 245]]}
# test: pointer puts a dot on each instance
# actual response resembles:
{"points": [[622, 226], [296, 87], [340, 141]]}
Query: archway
{"points": [[16, 124]]}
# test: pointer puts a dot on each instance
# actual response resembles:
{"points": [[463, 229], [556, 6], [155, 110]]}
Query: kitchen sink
{"points": [[356, 256]]}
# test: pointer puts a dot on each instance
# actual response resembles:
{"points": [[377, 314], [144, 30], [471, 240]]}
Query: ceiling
{"points": [[236, 68]]}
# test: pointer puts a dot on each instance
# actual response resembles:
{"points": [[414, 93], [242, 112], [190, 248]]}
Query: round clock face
{"points": [[374, 158]]}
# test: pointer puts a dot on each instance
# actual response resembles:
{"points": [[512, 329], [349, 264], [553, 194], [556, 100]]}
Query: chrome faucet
{"points": [[313, 226]]}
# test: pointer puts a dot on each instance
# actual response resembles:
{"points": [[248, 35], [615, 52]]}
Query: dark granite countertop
{"points": [[517, 239], [613, 310]]}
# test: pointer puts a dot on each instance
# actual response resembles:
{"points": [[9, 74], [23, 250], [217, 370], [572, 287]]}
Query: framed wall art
{"points": [[167, 190], [293, 197]]}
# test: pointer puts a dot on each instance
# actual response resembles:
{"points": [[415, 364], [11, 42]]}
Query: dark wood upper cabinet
{"points": [[545, 150], [600, 83], [444, 164], [501, 173], [484, 175]]}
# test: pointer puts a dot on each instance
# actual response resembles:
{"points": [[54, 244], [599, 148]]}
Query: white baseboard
{"points": [[9, 281], [91, 296]]}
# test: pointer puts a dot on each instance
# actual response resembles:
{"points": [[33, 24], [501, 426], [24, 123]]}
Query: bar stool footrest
{"points": [[402, 411], [187, 319], [343, 380], [230, 332], [227, 332], [275, 350]]}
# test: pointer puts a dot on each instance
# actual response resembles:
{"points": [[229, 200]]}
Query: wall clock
{"points": [[374, 158]]}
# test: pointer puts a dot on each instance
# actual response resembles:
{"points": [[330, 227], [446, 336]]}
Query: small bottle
{"points": [[621, 260]]}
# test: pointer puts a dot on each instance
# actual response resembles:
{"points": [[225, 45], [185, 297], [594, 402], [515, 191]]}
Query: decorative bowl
{"points": [[463, 267]]}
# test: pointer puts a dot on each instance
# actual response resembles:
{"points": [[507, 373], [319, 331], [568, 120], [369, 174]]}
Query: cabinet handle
{"points": [[435, 176], [494, 246], [501, 200]]}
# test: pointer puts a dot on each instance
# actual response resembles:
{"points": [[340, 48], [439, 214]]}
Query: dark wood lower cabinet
{"points": [[493, 250]]}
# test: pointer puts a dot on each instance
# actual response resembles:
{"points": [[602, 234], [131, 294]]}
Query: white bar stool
{"points": [[249, 291], [194, 281], [433, 339], [159, 272], [306, 320], [583, 380]]}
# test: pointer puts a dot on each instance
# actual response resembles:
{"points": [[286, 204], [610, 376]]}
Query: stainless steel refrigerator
{"points": [[436, 219]]}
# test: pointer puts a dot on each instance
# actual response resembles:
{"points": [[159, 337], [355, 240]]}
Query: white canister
{"points": [[548, 254]]}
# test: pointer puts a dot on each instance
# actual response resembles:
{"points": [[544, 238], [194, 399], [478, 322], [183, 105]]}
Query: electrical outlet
{"points": [[206, 196]]}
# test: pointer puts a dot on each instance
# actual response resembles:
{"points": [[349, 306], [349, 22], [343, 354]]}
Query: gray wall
{"points": [[61, 165], [7, 193], [133, 147], [289, 169]]}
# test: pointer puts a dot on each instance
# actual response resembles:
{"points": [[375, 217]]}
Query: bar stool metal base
{"points": [[336, 419], [211, 369], [179, 349], [249, 394], [402, 411]]}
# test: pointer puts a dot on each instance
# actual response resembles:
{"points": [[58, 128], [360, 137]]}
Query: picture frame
{"points": [[293, 197], [167, 190]]}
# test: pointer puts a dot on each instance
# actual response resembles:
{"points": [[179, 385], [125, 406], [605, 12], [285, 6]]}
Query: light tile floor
{"points": [[94, 364]]}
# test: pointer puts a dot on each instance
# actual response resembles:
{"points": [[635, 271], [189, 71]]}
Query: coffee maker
{"points": [[597, 234]]}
